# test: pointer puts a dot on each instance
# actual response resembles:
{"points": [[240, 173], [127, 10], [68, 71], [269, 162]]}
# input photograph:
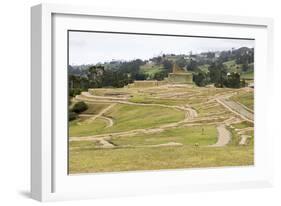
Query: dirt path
{"points": [[91, 98], [236, 108], [224, 136], [190, 113], [102, 112], [105, 144], [244, 139], [109, 121], [87, 94]]}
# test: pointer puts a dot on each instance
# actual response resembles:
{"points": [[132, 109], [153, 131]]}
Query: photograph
{"points": [[140, 102]]}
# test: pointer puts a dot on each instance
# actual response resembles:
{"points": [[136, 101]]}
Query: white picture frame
{"points": [[49, 179]]}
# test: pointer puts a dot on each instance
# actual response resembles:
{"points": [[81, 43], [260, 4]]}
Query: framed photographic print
{"points": [[135, 102]]}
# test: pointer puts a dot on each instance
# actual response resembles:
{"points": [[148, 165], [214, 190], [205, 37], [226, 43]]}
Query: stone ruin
{"points": [[179, 76]]}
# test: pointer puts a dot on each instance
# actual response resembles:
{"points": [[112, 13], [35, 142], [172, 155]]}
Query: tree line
{"points": [[119, 74]]}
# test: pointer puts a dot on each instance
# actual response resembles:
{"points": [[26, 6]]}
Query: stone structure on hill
{"points": [[179, 76]]}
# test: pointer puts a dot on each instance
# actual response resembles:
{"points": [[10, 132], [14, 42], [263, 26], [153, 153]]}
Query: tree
{"points": [[79, 107], [181, 62], [160, 75], [95, 75], [192, 65], [233, 80], [245, 66], [210, 55], [201, 79], [218, 74], [72, 116], [74, 81], [141, 76], [243, 83], [168, 66], [225, 56]]}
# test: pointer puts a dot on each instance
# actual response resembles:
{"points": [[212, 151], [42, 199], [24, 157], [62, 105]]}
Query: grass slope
{"points": [[188, 136], [246, 99], [84, 127], [93, 160], [132, 153], [127, 117], [150, 70]]}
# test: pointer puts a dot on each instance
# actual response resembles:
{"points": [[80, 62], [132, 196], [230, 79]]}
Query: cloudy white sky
{"points": [[91, 48]]}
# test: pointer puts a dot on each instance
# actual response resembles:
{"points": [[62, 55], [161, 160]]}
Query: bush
{"points": [[74, 91], [232, 80], [201, 79], [79, 107], [72, 116]]}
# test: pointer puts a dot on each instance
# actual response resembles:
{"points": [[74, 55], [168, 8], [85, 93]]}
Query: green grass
{"points": [[242, 125], [246, 99], [114, 160], [247, 75], [207, 110], [82, 144], [205, 135], [232, 66], [151, 70], [95, 108], [235, 140], [83, 127], [127, 117], [132, 153]]}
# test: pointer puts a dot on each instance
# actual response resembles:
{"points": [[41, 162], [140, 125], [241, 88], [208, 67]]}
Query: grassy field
{"points": [[233, 67], [113, 160], [127, 117], [82, 127], [187, 136], [95, 108], [188, 142], [247, 75], [242, 125]]}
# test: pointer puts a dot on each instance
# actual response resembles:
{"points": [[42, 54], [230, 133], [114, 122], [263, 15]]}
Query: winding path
{"points": [[224, 136], [236, 108], [100, 115]]}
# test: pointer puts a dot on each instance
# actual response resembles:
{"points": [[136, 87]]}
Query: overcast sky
{"points": [[92, 48]]}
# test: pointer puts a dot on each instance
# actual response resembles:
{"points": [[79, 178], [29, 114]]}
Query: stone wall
{"points": [[146, 83]]}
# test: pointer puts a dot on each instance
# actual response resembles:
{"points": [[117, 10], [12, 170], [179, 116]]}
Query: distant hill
{"points": [[119, 72]]}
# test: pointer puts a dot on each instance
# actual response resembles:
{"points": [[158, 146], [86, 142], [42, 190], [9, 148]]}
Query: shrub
{"points": [[72, 116], [201, 79], [74, 91], [79, 107]]}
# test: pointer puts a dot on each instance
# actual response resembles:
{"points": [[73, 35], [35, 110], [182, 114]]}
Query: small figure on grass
{"points": [[202, 131]]}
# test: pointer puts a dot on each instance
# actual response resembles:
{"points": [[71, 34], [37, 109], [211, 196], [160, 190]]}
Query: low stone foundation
{"points": [[145, 83]]}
